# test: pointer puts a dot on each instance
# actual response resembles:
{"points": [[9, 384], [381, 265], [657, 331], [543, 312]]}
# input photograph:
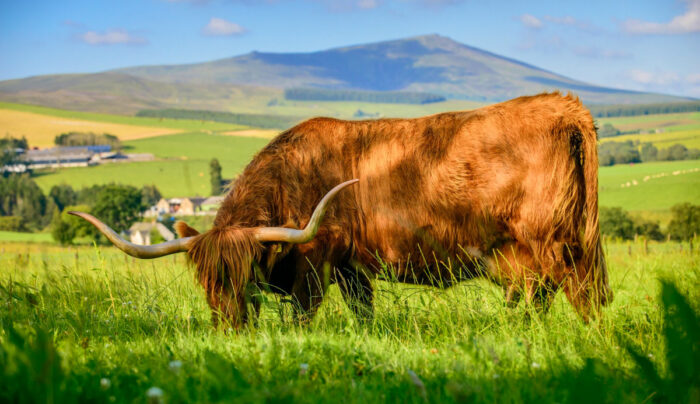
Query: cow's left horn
{"points": [[309, 232], [135, 250]]}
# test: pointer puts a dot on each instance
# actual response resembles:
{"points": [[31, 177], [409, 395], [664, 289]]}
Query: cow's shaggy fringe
{"points": [[224, 258]]}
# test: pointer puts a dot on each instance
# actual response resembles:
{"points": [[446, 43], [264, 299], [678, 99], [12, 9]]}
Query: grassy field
{"points": [[79, 324], [12, 236], [183, 168], [650, 189], [681, 128], [41, 125]]}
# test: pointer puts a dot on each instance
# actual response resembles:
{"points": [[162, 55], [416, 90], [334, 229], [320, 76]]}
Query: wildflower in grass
{"points": [[154, 394], [535, 365], [303, 368], [175, 366], [105, 383]]}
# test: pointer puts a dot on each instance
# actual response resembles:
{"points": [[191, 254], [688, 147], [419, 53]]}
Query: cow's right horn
{"points": [[135, 250], [295, 236]]}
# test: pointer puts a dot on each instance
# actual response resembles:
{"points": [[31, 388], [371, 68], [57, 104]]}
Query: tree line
{"points": [[618, 223], [24, 207], [87, 139], [611, 153], [386, 97], [255, 120], [609, 111]]}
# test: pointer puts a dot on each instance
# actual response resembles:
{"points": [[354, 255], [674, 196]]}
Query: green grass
{"points": [[183, 168], [683, 128], [185, 125], [96, 326], [13, 236], [654, 197]]}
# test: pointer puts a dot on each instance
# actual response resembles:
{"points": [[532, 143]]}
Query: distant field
{"points": [[654, 197], [347, 110], [675, 128], [184, 170], [13, 236], [41, 125]]}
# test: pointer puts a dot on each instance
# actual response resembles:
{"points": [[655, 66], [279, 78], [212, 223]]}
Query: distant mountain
{"points": [[431, 63]]}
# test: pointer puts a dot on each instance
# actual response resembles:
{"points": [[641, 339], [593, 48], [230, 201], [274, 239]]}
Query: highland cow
{"points": [[508, 192]]}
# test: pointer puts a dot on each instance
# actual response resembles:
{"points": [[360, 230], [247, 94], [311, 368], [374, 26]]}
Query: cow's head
{"points": [[224, 256]]}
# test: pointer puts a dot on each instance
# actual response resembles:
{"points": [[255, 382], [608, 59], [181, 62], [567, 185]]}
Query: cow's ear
{"points": [[183, 230]]}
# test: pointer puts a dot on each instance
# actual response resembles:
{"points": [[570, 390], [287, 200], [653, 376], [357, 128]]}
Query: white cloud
{"points": [[531, 21], [657, 78], [682, 24], [597, 53], [664, 82], [367, 4], [111, 37], [221, 27]]}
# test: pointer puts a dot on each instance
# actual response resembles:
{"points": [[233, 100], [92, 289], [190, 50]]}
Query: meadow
{"points": [[182, 168], [90, 324], [40, 125], [683, 128]]}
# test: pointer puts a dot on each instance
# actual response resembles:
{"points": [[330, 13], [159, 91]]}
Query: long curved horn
{"points": [[309, 232], [135, 250]]}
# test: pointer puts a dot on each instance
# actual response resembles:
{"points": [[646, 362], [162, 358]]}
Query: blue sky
{"points": [[642, 45]]}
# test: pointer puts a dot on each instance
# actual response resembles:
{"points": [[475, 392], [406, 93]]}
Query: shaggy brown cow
{"points": [[508, 191]]}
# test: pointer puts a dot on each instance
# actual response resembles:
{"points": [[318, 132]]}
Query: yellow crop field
{"points": [[40, 130]]}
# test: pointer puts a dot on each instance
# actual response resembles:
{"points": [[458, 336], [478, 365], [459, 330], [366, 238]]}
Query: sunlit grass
{"points": [[143, 324]]}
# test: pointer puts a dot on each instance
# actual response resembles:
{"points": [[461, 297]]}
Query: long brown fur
{"points": [[508, 191]]}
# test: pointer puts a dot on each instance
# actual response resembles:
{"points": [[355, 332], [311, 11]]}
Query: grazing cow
{"points": [[508, 191]]}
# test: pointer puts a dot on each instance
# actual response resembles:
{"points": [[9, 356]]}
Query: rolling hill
{"points": [[430, 63]]}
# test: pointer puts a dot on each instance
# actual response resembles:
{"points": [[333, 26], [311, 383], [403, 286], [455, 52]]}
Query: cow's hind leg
{"points": [[357, 290]]}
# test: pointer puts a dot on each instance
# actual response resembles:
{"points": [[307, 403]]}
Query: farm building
{"points": [[140, 233], [68, 156], [188, 206]]}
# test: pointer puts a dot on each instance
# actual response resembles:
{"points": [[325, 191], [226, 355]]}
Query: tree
{"points": [[65, 227], [21, 196], [8, 147], [677, 152], [215, 176], [685, 221], [61, 231], [650, 230], [616, 222], [150, 195], [118, 205], [63, 195], [649, 152], [693, 154], [608, 131]]}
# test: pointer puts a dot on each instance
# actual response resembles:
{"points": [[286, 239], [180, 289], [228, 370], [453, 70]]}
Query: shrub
{"points": [[616, 222], [11, 223], [685, 221], [118, 205]]}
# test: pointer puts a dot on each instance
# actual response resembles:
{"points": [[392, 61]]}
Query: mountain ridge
{"points": [[429, 63]]}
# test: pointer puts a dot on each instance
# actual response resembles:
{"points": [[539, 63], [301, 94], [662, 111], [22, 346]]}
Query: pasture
{"points": [[40, 125], [90, 324], [683, 128], [182, 168]]}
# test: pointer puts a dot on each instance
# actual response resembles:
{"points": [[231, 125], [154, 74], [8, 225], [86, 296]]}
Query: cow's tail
{"points": [[594, 257]]}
